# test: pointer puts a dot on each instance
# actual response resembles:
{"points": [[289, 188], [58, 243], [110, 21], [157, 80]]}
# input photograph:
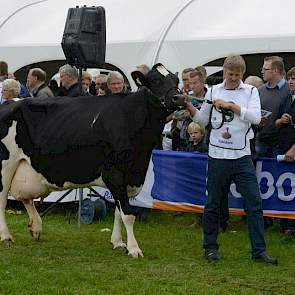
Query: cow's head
{"points": [[162, 84]]}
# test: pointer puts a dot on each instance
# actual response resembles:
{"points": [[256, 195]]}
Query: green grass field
{"points": [[72, 260]]}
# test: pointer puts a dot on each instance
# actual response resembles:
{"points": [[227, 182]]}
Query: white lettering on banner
{"points": [[271, 184], [108, 196], [270, 181], [281, 192], [233, 190]]}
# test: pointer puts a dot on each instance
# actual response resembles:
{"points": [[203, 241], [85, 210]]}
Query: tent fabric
{"points": [[203, 31]]}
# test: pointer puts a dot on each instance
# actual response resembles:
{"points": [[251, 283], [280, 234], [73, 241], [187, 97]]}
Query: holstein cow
{"points": [[51, 144]]}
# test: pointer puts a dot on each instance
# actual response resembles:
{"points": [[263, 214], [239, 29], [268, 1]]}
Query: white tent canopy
{"points": [[178, 33]]}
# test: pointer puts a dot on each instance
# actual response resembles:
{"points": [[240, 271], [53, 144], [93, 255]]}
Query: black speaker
{"points": [[84, 38]]}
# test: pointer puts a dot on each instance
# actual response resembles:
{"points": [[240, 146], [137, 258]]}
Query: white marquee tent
{"points": [[178, 33]]}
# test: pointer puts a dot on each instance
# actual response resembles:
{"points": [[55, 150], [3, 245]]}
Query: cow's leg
{"points": [[5, 234], [114, 180], [35, 222], [116, 238], [7, 173], [128, 220]]}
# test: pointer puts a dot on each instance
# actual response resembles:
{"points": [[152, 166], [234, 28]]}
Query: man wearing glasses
{"points": [[271, 94]]}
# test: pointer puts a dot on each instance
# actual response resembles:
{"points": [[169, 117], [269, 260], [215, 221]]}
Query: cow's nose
{"points": [[178, 99]]}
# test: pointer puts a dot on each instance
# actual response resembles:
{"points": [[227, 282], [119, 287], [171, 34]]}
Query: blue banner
{"points": [[180, 184]]}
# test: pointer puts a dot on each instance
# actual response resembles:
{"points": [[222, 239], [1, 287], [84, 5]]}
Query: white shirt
{"points": [[247, 97]]}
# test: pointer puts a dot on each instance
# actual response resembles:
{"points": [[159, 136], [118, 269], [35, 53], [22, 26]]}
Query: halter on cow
{"points": [[51, 144]]}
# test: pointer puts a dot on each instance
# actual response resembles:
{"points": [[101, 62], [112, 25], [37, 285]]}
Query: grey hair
{"points": [[12, 85], [114, 75], [254, 81], [69, 71], [103, 77]]}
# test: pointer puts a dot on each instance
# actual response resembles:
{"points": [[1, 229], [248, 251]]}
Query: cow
{"points": [[51, 144]]}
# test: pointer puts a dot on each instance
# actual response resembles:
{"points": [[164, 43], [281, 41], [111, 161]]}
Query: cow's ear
{"points": [[139, 78], [161, 69], [157, 65]]}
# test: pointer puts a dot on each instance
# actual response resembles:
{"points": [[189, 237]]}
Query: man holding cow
{"points": [[231, 107]]}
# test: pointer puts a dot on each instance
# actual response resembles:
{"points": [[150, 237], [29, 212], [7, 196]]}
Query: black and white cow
{"points": [[61, 143]]}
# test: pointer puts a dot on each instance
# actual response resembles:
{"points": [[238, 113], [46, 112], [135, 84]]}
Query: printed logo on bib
{"points": [[226, 134]]}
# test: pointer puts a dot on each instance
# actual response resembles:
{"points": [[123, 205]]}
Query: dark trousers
{"points": [[265, 150], [221, 173], [287, 225]]}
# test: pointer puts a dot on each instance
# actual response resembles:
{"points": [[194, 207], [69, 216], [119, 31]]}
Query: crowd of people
{"points": [[37, 86], [233, 121]]}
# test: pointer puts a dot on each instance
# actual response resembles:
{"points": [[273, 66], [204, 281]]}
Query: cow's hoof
{"points": [[7, 241], [7, 244], [120, 246], [35, 230], [35, 235], [135, 253]]}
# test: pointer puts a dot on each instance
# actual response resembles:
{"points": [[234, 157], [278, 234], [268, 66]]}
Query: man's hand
{"points": [[290, 154], [286, 119], [189, 106], [221, 104]]}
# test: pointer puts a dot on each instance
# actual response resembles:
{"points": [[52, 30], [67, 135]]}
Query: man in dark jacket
{"points": [[285, 124], [69, 80]]}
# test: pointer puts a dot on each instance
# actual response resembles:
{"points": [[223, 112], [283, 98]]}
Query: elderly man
{"points": [[69, 80], [36, 83], [233, 107], [115, 82], [143, 68], [254, 81], [100, 79]]}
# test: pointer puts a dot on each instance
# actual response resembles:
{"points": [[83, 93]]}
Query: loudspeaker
{"points": [[84, 37]]}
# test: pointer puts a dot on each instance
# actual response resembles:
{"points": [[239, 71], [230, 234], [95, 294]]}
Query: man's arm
{"points": [[199, 116], [290, 154]]}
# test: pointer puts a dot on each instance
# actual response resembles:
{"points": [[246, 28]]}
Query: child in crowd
{"points": [[196, 138], [196, 144]]}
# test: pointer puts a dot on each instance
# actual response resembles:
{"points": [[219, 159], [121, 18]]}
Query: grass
{"points": [[72, 260]]}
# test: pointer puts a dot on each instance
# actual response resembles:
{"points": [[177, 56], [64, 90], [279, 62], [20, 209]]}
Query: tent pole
{"points": [[166, 31]]}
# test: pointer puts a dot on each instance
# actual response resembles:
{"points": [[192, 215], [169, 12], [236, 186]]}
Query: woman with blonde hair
{"points": [[10, 90]]}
